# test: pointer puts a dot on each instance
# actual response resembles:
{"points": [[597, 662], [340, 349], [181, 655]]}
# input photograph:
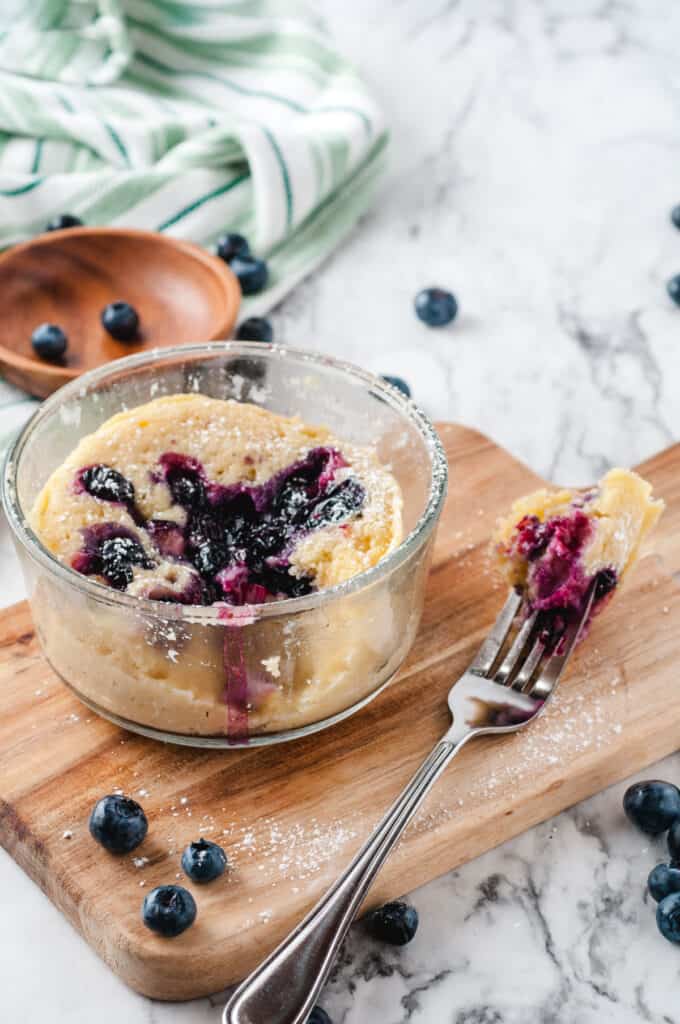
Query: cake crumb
{"points": [[272, 665]]}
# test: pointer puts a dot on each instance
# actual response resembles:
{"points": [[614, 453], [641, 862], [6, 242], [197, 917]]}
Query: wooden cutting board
{"points": [[291, 816]]}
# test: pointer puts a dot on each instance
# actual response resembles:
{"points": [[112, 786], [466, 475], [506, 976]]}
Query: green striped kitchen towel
{"points": [[186, 116]]}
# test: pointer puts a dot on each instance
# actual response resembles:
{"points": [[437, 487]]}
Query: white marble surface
{"points": [[534, 163]]}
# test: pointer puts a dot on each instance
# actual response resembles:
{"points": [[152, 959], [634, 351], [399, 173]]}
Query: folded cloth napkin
{"points": [[191, 117]]}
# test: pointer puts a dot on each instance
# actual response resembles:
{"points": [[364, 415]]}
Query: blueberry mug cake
{"points": [[557, 543], [200, 502]]}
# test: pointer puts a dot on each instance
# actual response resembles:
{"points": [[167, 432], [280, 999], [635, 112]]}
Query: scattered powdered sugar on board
{"points": [[297, 851]]}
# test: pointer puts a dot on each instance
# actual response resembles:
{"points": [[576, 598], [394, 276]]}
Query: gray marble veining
{"points": [[535, 160]]}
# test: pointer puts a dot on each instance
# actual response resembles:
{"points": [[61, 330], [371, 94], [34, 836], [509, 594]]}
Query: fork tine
{"points": [[530, 664], [512, 658], [550, 675], [490, 649]]}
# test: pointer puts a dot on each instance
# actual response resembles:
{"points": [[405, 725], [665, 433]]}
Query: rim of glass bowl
{"points": [[214, 614]]}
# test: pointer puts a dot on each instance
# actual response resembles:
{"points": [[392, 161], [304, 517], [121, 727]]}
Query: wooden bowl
{"points": [[180, 291]]}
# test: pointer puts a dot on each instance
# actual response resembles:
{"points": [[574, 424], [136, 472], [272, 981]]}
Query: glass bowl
{"points": [[222, 676]]}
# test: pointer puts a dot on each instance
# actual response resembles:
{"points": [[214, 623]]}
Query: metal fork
{"points": [[498, 693]]}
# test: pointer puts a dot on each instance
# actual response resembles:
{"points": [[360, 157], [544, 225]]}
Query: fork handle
{"points": [[285, 987]]}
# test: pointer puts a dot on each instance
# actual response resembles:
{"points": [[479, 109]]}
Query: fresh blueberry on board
{"points": [[169, 910], [319, 1016], [435, 307], [120, 320], [673, 289], [231, 245], [251, 272], [675, 215], [653, 806], [203, 861], [668, 917], [49, 341], [118, 823], [662, 881], [64, 220], [395, 923], [399, 383], [255, 328]]}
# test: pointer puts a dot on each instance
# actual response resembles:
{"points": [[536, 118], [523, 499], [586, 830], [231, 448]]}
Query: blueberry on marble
{"points": [[64, 220], [231, 245], [435, 307], [203, 861], [668, 917], [653, 806], [319, 1016], [399, 383], [256, 328], [673, 289], [252, 273], [169, 910], [674, 842], [118, 823], [395, 923], [662, 881], [120, 320], [675, 215], [49, 341]]}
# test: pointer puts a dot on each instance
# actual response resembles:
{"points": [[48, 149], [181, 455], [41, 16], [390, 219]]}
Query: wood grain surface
{"points": [[291, 816], [181, 293]]}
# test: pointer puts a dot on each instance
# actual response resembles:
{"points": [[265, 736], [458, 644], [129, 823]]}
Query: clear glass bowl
{"points": [[194, 675]]}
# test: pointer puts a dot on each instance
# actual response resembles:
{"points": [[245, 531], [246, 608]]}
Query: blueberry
{"points": [[169, 910], [673, 289], [252, 273], [107, 484], [395, 923], [231, 245], [606, 582], [64, 220], [256, 328], [118, 555], [118, 823], [399, 383], [121, 320], [186, 488], [204, 861], [668, 917], [343, 501], [662, 881], [210, 557], [435, 307], [674, 842], [49, 341], [319, 1016], [675, 215], [653, 806]]}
